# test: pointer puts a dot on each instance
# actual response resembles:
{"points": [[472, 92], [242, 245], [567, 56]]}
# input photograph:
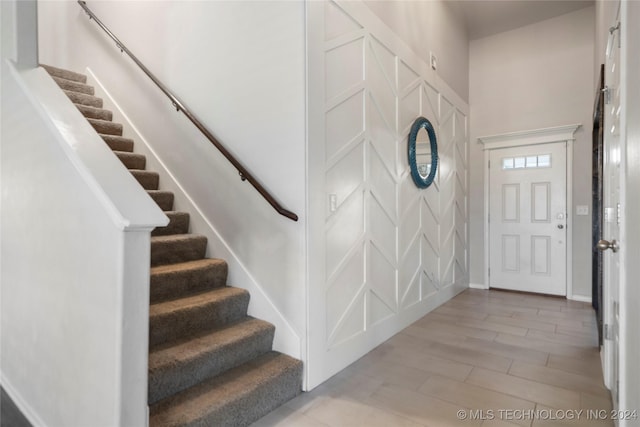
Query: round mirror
{"points": [[423, 152]]}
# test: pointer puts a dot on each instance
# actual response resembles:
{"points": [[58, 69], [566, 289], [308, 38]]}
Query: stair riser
{"points": [[133, 161], [249, 407], [176, 285], [264, 399], [148, 180], [82, 99], [73, 86], [177, 251], [180, 377], [178, 224], [94, 113], [163, 199], [117, 143], [106, 128], [217, 314]]}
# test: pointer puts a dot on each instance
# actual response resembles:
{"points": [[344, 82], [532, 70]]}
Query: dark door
{"points": [[597, 192]]}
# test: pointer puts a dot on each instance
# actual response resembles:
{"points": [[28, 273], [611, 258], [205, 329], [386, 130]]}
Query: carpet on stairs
{"points": [[210, 363]]}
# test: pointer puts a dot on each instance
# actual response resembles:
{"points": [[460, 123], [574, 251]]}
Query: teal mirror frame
{"points": [[423, 123]]}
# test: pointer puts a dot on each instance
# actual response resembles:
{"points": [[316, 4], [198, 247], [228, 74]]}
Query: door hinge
{"points": [[606, 91], [613, 30], [607, 331], [489, 164], [489, 272]]}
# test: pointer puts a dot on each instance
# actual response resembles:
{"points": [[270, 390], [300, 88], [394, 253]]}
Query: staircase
{"points": [[210, 364]]}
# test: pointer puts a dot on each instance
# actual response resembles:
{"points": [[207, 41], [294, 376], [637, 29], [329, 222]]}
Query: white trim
{"points": [[485, 219], [581, 298], [478, 286], [532, 137], [123, 199], [569, 217], [529, 137]]}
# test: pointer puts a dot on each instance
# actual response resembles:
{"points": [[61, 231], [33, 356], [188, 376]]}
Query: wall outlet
{"points": [[582, 210], [433, 61]]}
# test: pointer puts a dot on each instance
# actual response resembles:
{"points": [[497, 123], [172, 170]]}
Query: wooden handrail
{"points": [[245, 175]]}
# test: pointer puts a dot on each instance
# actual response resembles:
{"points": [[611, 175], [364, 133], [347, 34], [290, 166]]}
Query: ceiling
{"points": [[487, 17]]}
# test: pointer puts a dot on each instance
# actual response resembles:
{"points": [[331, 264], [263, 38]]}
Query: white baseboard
{"points": [[478, 286], [580, 298]]}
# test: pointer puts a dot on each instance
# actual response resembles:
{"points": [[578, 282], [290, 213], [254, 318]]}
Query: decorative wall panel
{"points": [[391, 251]]}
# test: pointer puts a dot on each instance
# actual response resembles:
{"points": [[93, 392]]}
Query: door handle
{"points": [[560, 226], [603, 245]]}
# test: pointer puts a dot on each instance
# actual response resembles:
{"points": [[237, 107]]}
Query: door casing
{"points": [[512, 217], [531, 137]]}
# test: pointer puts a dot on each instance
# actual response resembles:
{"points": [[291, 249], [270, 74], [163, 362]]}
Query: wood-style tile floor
{"points": [[485, 358]]}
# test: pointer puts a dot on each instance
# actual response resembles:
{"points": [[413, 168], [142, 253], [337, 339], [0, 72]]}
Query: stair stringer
{"points": [[286, 340]]}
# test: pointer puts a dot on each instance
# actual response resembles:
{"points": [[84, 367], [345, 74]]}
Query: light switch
{"points": [[433, 61], [582, 210]]}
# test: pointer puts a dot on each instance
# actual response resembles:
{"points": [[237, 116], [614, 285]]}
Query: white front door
{"points": [[612, 212], [527, 218]]}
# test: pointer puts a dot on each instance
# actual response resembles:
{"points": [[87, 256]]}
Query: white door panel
{"points": [[527, 206], [612, 204]]}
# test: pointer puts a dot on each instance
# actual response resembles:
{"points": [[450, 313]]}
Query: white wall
{"points": [[389, 252], [537, 76], [630, 291], [431, 26], [7, 23], [75, 253], [239, 66]]}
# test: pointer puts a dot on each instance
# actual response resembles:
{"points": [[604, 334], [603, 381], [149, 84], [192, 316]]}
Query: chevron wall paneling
{"points": [[391, 252]]}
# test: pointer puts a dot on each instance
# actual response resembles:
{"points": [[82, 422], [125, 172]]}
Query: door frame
{"points": [[629, 393], [532, 137]]}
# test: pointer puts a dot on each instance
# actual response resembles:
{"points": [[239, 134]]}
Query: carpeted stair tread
{"points": [[118, 143], [83, 99], [178, 224], [177, 367], [74, 86], [132, 160], [65, 74], [173, 281], [210, 364], [164, 199], [236, 398], [177, 248], [94, 113], [189, 316], [148, 179], [106, 127]]}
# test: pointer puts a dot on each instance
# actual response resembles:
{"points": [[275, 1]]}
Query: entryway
{"points": [[527, 218], [528, 230]]}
